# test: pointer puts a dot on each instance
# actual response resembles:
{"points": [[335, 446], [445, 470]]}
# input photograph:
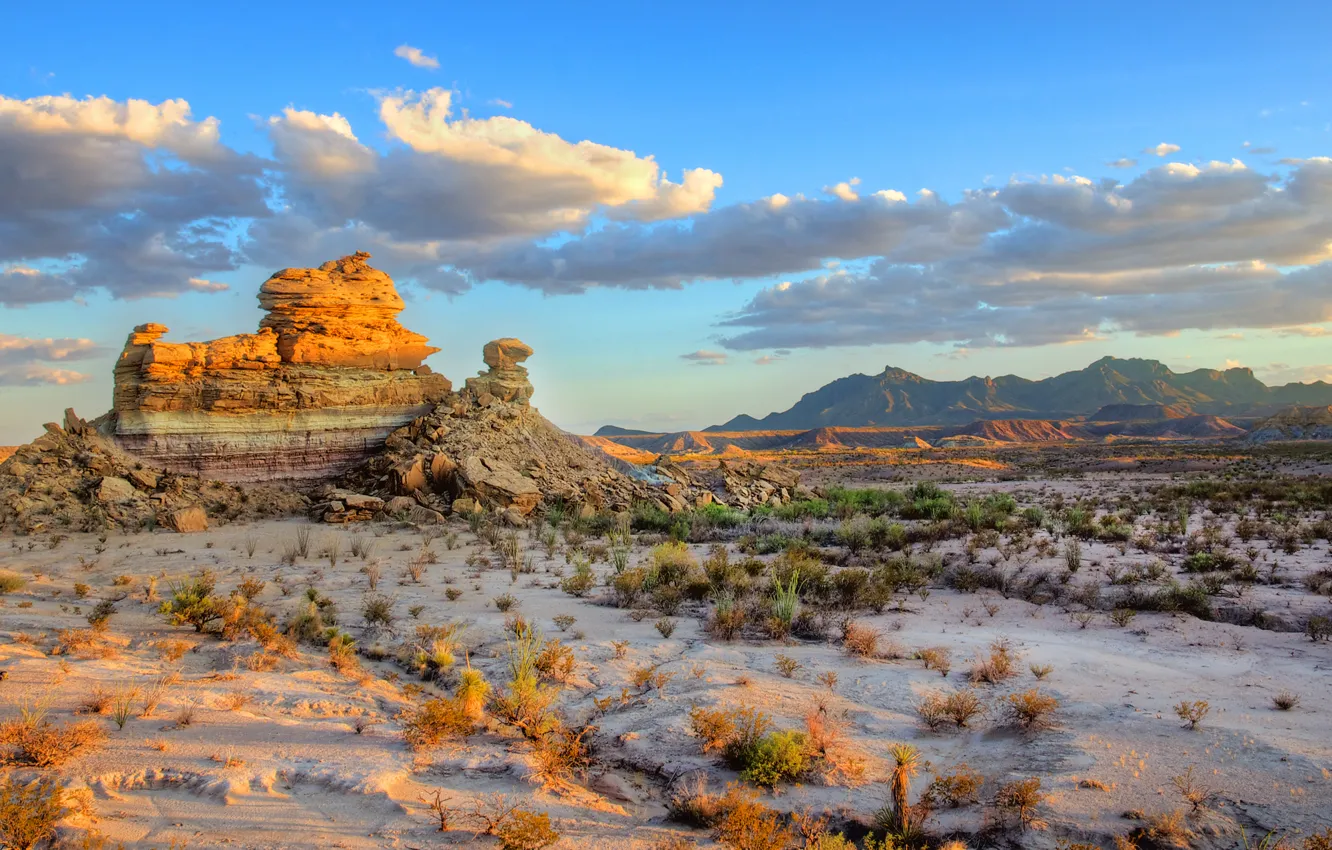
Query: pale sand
{"points": [[304, 779]]}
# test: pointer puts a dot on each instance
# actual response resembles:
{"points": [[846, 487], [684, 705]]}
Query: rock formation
{"points": [[1293, 423], [486, 448], [74, 479], [320, 386], [330, 394], [505, 380]]}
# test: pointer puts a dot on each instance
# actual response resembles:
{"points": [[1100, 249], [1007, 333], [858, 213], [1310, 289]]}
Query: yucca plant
{"points": [[471, 692], [906, 764], [788, 598]]}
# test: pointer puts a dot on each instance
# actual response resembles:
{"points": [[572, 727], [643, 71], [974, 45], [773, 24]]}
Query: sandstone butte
{"points": [[328, 376], [331, 395]]}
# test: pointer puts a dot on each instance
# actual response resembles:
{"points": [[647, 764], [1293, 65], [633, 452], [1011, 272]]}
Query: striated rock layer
{"points": [[317, 390]]}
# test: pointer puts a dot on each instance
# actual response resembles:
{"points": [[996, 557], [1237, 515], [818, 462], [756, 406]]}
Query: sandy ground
{"points": [[287, 768]]}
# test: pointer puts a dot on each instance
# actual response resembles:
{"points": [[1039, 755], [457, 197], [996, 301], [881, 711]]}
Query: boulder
{"points": [[399, 505], [464, 506], [187, 520], [497, 484], [409, 475], [113, 489]]}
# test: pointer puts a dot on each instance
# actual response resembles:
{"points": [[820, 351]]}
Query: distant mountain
{"points": [[896, 397], [1140, 412], [617, 431]]}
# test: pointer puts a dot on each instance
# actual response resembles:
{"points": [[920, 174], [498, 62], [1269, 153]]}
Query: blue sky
{"points": [[1014, 265]]}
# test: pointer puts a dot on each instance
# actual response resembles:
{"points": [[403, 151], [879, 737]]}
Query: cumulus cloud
{"points": [[1163, 149], [453, 184], [130, 197], [703, 357], [1122, 162], [21, 360], [415, 56], [1284, 373], [844, 190]]}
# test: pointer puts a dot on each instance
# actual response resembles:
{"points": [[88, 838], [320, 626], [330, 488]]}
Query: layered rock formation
{"points": [[74, 479], [317, 390]]}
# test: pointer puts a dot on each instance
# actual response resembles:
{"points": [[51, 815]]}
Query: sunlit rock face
{"points": [[328, 376]]}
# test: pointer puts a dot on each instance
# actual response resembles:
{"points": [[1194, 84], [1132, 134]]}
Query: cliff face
{"points": [[327, 378]]}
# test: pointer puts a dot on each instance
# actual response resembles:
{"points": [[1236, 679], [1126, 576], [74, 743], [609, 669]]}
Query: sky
{"points": [[689, 210]]}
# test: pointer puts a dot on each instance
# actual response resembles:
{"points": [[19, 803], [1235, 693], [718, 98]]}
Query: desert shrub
{"points": [[1000, 664], [193, 603], [747, 824], [37, 742], [1031, 709], [1318, 628], [958, 788], [555, 661], [932, 711], [11, 581], [728, 618], [1019, 799], [665, 627], [1192, 711], [435, 721], [1285, 701], [936, 658], [312, 619], [582, 581], [715, 727], [377, 610], [777, 757], [29, 812], [562, 753], [750, 727], [860, 640], [524, 830]]}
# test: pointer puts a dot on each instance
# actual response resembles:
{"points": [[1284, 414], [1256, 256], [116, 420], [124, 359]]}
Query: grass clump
{"points": [[29, 812]]}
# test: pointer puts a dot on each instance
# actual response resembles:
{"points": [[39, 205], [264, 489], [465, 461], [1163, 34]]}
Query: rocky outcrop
{"points": [[74, 479], [486, 448], [748, 483], [317, 390], [1294, 423], [505, 380]]}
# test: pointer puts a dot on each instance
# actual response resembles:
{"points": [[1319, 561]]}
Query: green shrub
{"points": [[777, 757]]}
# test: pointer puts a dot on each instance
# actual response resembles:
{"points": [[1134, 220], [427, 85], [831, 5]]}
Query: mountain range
{"points": [[1126, 389]]}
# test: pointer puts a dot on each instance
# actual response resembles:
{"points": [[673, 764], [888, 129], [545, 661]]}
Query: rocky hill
{"points": [[896, 397], [1294, 423]]}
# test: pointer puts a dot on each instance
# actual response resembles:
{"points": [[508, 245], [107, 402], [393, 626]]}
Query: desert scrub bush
{"points": [[727, 619], [435, 721], [30, 812], [715, 727], [555, 661], [526, 830], [193, 603], [746, 824], [11, 582], [1285, 701], [583, 580], [35, 741], [959, 788], [776, 757], [1192, 711], [1018, 800], [860, 640], [1030, 710], [377, 611], [525, 702], [1318, 628], [936, 658], [999, 665]]}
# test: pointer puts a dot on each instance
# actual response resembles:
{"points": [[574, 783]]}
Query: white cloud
{"points": [[844, 190], [35, 375], [1163, 149], [501, 103], [415, 56], [130, 197], [702, 357], [21, 360]]}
